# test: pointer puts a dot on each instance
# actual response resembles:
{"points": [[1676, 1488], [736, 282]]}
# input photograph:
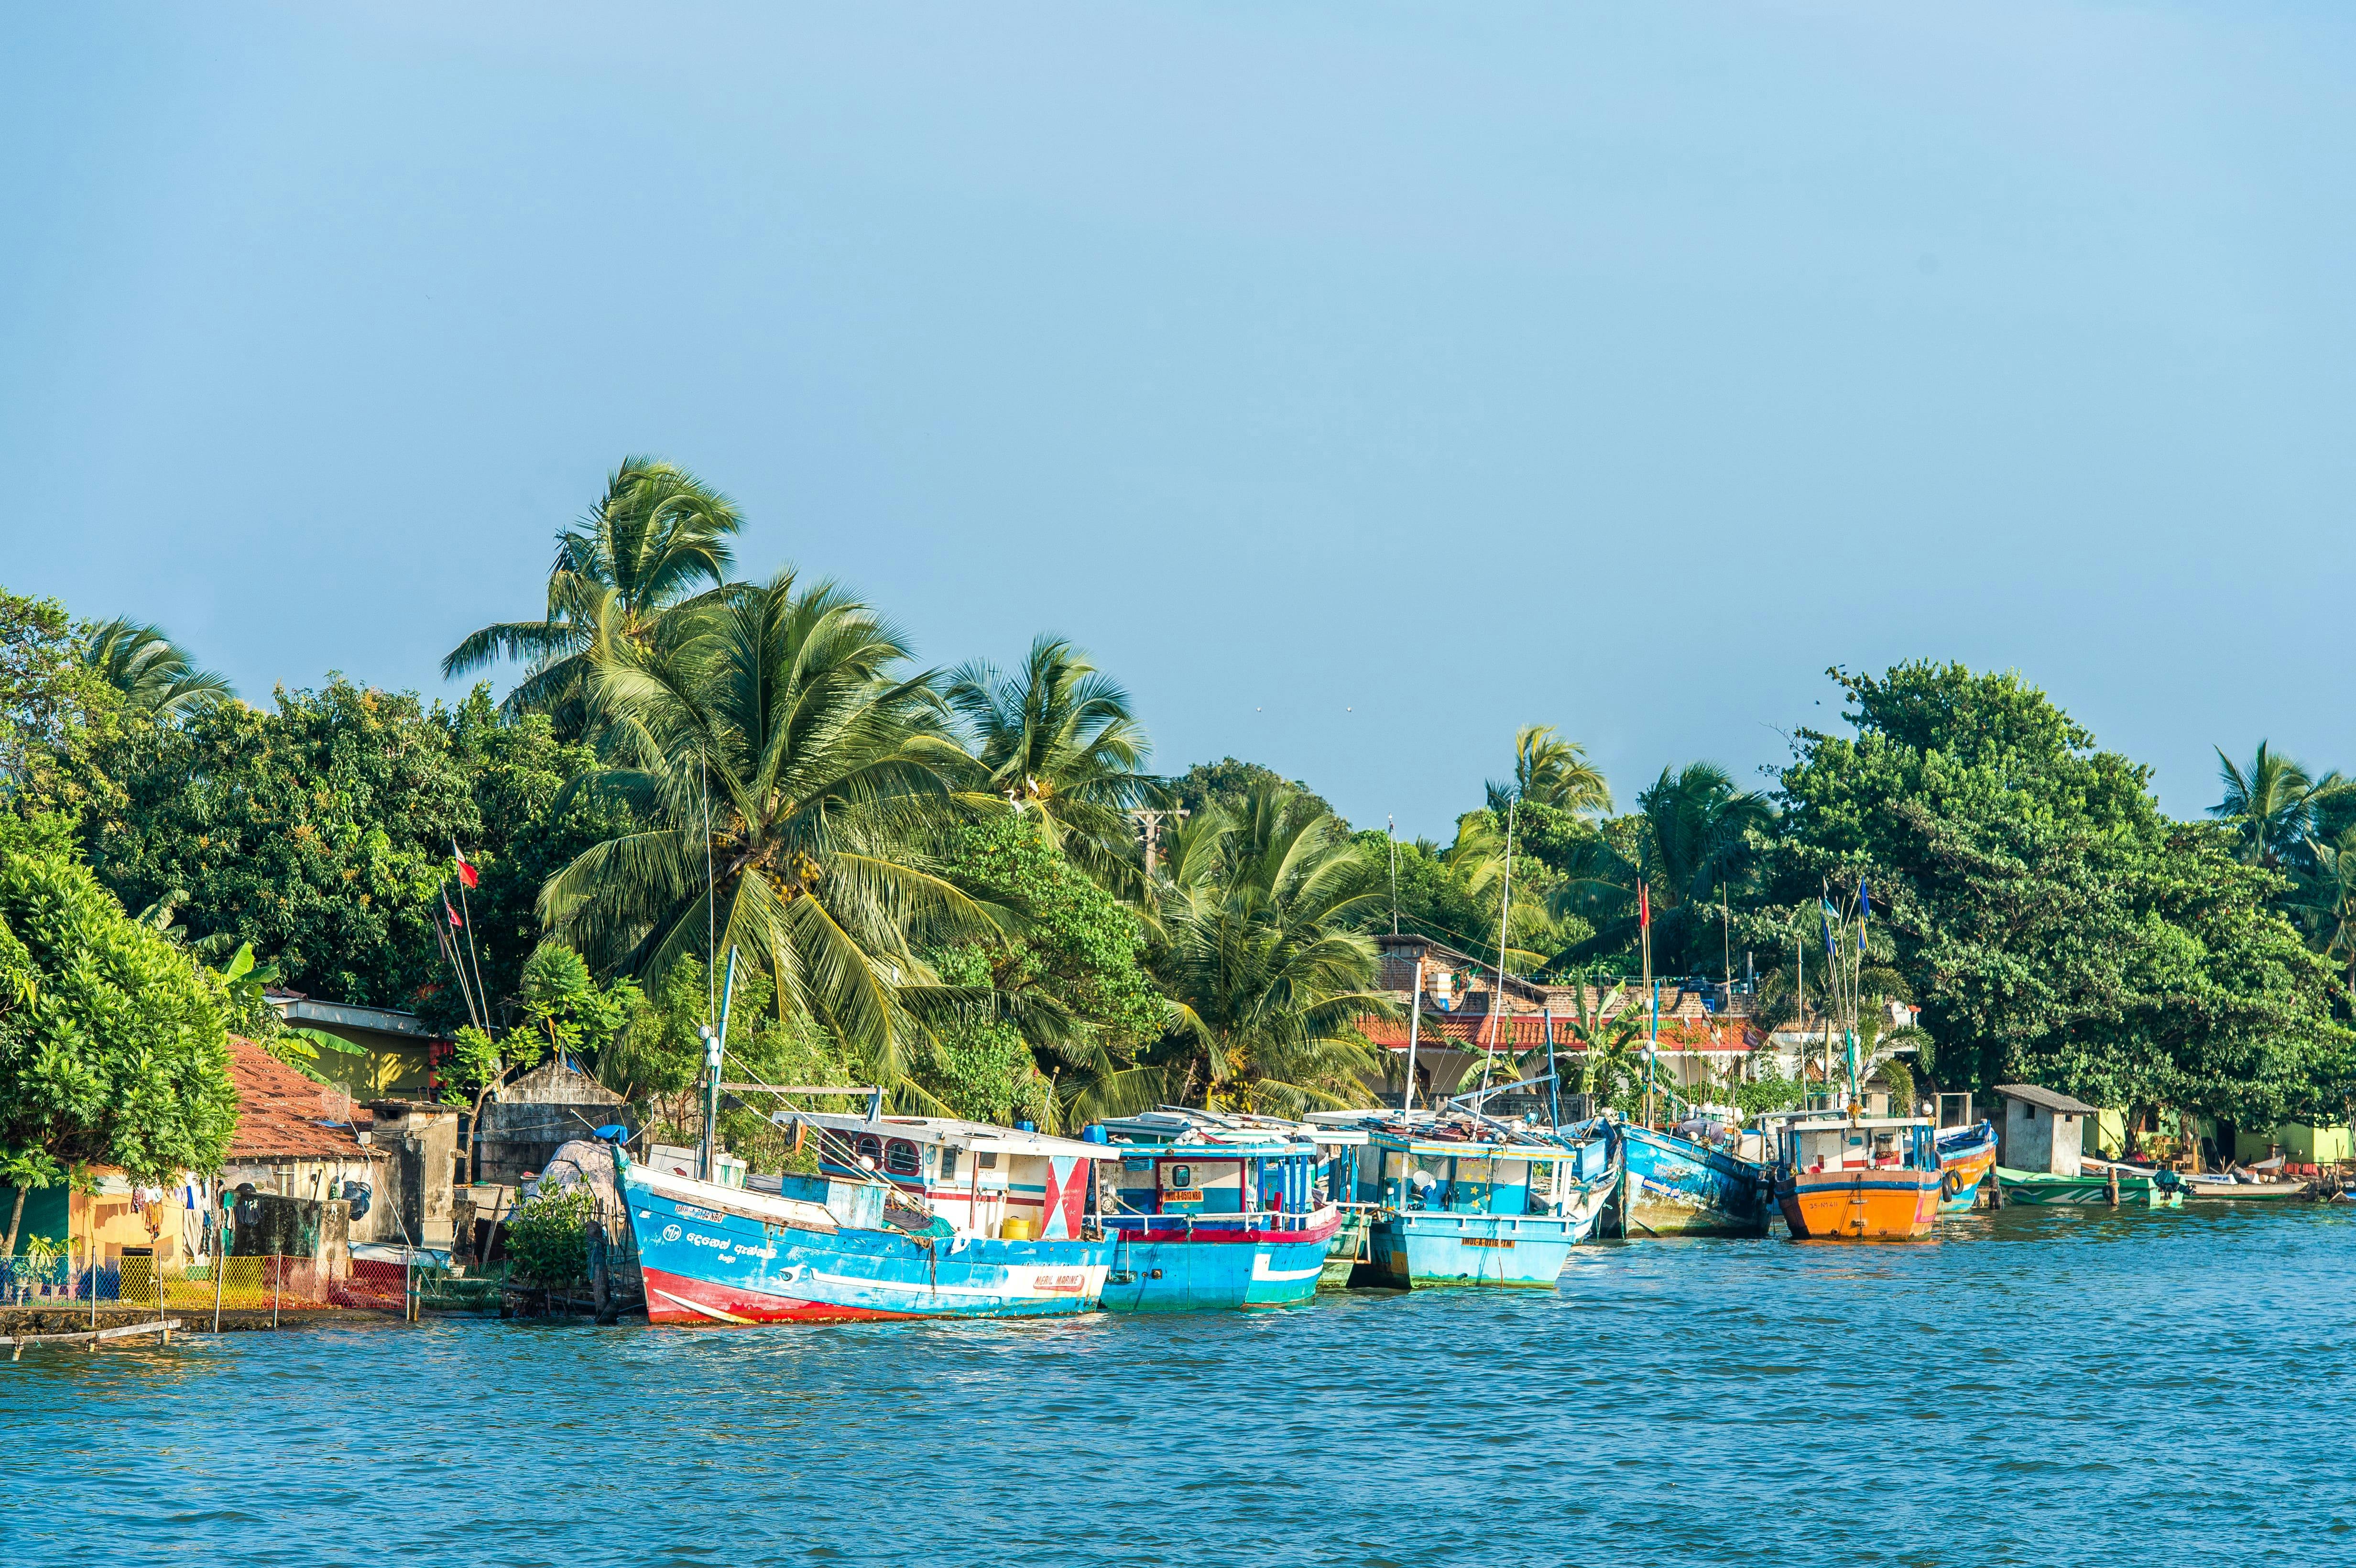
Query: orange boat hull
{"points": [[1859, 1205]]}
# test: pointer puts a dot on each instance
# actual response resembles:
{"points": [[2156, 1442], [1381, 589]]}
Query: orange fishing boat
{"points": [[1849, 1177]]}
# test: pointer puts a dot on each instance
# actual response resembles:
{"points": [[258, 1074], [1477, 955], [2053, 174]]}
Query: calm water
{"points": [[2033, 1388]]}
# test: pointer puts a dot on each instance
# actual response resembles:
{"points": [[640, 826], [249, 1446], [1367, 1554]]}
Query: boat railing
{"points": [[1258, 1220]]}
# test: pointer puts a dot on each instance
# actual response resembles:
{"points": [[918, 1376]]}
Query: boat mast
{"points": [[1651, 1040], [1414, 1018], [1497, 1001]]}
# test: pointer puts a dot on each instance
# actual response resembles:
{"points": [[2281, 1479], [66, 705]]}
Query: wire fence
{"points": [[265, 1284]]}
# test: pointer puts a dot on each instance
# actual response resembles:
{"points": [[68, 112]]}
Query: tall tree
{"points": [[1060, 743], [655, 543], [777, 759], [1261, 959], [112, 1047], [1693, 837], [2271, 805], [2054, 924], [1551, 772], [155, 675]]}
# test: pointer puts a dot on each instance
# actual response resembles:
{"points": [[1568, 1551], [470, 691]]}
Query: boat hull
{"points": [[2038, 1188], [2246, 1192], [1416, 1248], [1676, 1188], [1348, 1251], [711, 1256], [1885, 1204], [1206, 1268], [1964, 1166]]}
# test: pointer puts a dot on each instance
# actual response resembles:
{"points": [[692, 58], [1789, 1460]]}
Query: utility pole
{"points": [[1151, 819]]}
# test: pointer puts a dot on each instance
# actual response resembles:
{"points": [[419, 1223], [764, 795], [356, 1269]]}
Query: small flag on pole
{"points": [[1864, 902], [1643, 906], [454, 921], [1827, 912], [466, 872]]}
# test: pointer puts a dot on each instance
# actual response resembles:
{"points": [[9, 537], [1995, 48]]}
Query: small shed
{"points": [[2044, 1130], [527, 1121]]}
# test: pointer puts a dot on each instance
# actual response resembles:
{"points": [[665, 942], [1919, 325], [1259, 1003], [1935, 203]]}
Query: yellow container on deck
{"points": [[1015, 1228]]}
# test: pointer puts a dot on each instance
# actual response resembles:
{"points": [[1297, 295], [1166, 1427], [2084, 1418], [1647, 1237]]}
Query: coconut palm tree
{"points": [[155, 675], [1692, 836], [2326, 901], [654, 545], [2271, 805], [1059, 741], [1267, 977], [788, 775], [1552, 772]]}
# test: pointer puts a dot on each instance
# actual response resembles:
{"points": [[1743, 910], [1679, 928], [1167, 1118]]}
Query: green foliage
{"points": [[547, 1238], [1770, 1092], [317, 833], [54, 711], [155, 675], [114, 1049], [1229, 785], [783, 712], [1074, 947], [1060, 744], [1694, 843], [2056, 928], [1264, 957], [654, 546]]}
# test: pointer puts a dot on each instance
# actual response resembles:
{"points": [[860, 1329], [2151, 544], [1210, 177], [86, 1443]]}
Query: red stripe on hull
{"points": [[668, 1292]]}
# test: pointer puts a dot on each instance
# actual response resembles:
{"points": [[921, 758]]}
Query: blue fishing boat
{"points": [[1966, 1158], [907, 1218], [1688, 1186], [1465, 1200], [1209, 1211]]}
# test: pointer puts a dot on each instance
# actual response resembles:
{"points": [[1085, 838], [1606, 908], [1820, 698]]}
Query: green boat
{"points": [[2035, 1187]]}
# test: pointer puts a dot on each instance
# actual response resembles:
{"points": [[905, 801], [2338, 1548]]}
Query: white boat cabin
{"points": [[980, 1179], [1823, 1140]]}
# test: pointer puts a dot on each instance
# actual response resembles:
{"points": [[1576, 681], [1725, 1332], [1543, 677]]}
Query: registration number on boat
{"points": [[1059, 1283], [1486, 1242]]}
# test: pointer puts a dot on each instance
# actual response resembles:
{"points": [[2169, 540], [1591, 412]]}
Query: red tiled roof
{"points": [[280, 1113], [1520, 1032]]}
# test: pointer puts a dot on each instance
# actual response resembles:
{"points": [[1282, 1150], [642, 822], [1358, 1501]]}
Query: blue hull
{"points": [[1678, 1188], [713, 1254], [1162, 1272], [1416, 1248]]}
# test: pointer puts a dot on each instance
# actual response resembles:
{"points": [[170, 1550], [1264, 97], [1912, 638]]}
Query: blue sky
{"points": [[1356, 381]]}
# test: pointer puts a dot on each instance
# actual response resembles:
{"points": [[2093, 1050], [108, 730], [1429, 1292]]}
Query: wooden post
{"points": [[1995, 1190], [274, 1260], [2111, 1182], [221, 1267]]}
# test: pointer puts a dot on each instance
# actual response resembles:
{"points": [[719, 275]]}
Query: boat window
{"points": [[870, 1146], [900, 1157], [988, 1159]]}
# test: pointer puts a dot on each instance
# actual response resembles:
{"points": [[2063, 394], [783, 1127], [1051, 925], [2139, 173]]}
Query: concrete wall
{"points": [[535, 1116], [2300, 1143], [320, 1180], [420, 1143]]}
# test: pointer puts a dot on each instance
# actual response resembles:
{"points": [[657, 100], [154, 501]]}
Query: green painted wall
{"points": [[2303, 1144], [45, 1212]]}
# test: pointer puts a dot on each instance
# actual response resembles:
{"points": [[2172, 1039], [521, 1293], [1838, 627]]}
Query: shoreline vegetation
{"points": [[938, 880]]}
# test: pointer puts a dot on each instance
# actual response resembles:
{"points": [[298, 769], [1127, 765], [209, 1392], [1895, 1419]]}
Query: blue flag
{"points": [[1864, 902], [1827, 909]]}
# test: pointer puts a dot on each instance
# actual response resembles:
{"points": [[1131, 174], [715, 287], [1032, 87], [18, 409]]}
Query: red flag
{"points": [[1643, 906], [466, 872], [454, 921]]}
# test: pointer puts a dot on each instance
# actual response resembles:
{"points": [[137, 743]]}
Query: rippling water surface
{"points": [[2033, 1387]]}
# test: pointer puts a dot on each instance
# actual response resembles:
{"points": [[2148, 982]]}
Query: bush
{"points": [[548, 1239]]}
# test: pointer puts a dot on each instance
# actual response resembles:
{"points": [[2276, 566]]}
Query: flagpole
{"points": [[449, 951], [1653, 1040], [468, 915]]}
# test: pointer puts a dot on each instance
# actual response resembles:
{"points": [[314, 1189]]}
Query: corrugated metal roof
{"points": [[2051, 1099]]}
